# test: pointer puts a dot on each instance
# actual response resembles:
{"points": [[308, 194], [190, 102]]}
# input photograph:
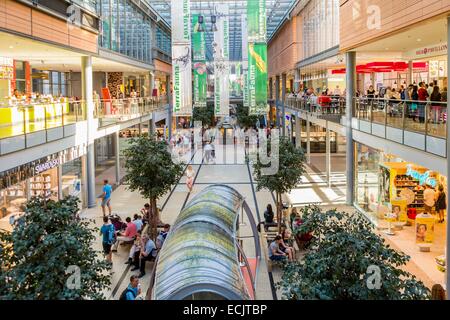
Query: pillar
{"points": [[298, 131], [152, 124], [169, 102], [116, 140], [447, 274], [351, 85], [87, 96], [297, 80], [409, 76], [283, 101], [277, 100], [328, 155], [308, 140], [270, 88], [60, 180]]}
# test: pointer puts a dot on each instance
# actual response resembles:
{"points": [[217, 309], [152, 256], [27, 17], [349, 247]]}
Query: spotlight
{"points": [[213, 24], [200, 24]]}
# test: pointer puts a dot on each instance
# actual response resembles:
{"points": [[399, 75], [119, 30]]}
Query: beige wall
{"points": [[22, 19], [356, 27], [284, 49]]}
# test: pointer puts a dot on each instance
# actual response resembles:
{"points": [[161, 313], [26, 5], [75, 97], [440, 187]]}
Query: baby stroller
{"points": [[117, 222]]}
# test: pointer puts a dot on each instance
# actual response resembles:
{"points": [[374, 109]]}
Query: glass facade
{"points": [[163, 41], [56, 84], [320, 26], [125, 29]]}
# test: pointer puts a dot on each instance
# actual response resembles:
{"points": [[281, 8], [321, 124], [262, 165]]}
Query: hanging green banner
{"points": [[199, 63], [256, 20], [257, 81], [198, 40], [200, 84]]}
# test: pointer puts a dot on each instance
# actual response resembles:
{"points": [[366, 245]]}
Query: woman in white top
{"points": [[190, 178]]}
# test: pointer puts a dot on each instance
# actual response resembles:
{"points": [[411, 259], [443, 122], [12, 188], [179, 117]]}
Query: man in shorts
{"points": [[106, 197], [107, 231]]}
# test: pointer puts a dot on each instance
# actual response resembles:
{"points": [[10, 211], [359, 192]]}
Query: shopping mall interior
{"points": [[220, 140]]}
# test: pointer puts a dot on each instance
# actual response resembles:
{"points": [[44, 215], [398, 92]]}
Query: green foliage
{"points": [[49, 238], [149, 167], [291, 168], [205, 115], [244, 119], [337, 265]]}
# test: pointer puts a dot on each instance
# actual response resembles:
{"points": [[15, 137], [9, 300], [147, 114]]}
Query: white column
{"points": [[297, 80], [87, 97], [308, 140], [351, 85], [410, 75], [116, 140], [447, 274], [60, 174], [328, 155], [298, 131]]}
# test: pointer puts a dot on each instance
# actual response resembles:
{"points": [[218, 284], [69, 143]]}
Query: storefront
{"points": [[317, 138], [400, 198], [52, 177]]}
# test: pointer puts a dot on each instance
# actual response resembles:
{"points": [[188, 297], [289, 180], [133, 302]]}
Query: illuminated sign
{"points": [[424, 178]]}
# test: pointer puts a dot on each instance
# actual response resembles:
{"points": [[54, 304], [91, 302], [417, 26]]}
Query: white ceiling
{"points": [[45, 56]]}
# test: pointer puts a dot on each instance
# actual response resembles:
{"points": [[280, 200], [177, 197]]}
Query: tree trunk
{"points": [[278, 204], [154, 219]]}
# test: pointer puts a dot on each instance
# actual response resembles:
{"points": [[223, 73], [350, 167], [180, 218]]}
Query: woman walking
{"points": [[190, 178], [440, 203]]}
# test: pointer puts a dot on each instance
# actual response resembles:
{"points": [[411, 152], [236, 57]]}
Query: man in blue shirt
{"points": [[107, 231], [106, 197], [133, 289], [148, 253]]}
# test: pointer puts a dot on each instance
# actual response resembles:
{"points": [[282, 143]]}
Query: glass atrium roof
{"points": [[276, 11]]}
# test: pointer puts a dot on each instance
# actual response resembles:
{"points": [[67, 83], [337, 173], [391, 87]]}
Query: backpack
{"points": [[123, 295], [111, 236]]}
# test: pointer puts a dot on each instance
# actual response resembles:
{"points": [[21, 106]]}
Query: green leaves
{"points": [[343, 251], [291, 168], [149, 166], [35, 257]]}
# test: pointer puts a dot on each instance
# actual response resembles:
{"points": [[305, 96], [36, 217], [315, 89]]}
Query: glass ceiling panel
{"points": [[275, 9]]}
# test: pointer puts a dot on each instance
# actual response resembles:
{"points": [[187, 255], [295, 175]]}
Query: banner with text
{"points": [[221, 52], [199, 63], [244, 59], [256, 21], [182, 80], [181, 21], [257, 78]]}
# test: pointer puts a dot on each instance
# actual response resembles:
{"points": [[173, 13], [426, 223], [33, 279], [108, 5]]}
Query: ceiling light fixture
{"points": [[213, 24], [200, 27]]}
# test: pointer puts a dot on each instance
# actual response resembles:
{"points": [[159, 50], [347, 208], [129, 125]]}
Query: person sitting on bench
{"points": [[268, 217], [148, 252], [129, 235], [275, 254]]}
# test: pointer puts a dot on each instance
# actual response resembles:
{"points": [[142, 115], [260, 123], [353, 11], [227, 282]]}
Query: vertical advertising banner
{"points": [[182, 80], [256, 21], [199, 63], [221, 51], [257, 79], [181, 57], [244, 59]]}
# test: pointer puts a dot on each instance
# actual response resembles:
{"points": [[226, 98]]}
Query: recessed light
{"points": [[11, 47], [418, 39], [386, 48]]}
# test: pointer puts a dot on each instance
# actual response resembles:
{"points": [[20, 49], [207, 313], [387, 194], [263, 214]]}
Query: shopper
{"points": [[275, 254], [413, 105], [285, 237], [428, 199], [108, 233], [148, 253], [133, 289], [162, 236], [436, 105], [128, 235], [190, 174], [137, 220], [106, 197], [135, 249], [268, 214], [145, 211], [441, 204], [422, 97]]}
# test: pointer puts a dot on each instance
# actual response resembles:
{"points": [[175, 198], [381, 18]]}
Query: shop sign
{"points": [[46, 166], [424, 178], [429, 51], [257, 79]]}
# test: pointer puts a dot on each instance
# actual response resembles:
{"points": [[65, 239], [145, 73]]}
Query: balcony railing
{"points": [[329, 107], [118, 110], [25, 125], [425, 117]]}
